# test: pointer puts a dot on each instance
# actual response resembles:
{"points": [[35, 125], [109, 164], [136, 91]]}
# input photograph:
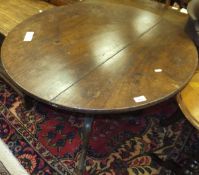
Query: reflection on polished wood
{"points": [[188, 100], [97, 57], [161, 9]]}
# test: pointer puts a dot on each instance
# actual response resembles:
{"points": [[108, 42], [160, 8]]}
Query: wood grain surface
{"points": [[13, 12], [188, 100], [97, 57]]}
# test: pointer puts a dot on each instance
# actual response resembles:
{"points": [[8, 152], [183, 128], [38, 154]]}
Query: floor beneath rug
{"points": [[9, 165]]}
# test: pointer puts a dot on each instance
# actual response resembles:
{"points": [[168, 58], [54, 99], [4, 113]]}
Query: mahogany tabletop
{"points": [[99, 57]]}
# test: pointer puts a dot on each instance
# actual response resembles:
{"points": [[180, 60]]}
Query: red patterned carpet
{"points": [[47, 141]]}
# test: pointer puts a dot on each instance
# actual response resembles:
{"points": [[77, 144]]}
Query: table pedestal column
{"points": [[87, 127]]}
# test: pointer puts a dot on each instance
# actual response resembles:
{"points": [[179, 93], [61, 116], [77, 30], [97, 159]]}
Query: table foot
{"points": [[87, 127], [28, 102]]}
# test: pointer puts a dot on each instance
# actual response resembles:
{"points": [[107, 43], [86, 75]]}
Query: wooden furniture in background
{"points": [[13, 12], [188, 100]]}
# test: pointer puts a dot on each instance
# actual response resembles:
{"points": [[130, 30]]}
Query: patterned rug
{"points": [[47, 141]]}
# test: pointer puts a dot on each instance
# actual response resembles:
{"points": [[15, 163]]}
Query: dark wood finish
{"points": [[86, 130], [4, 75], [62, 2], [96, 57]]}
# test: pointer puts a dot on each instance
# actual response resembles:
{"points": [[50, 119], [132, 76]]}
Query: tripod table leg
{"points": [[85, 138]]}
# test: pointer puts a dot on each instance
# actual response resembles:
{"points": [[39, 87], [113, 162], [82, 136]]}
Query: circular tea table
{"points": [[99, 58]]}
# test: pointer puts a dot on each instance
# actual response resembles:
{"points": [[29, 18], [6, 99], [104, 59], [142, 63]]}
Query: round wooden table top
{"points": [[99, 57]]}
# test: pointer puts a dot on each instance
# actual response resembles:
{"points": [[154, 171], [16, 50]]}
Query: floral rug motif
{"points": [[48, 141]]}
